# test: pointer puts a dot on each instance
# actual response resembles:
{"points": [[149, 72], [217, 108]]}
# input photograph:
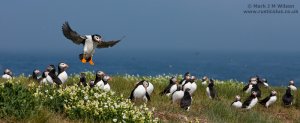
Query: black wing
{"points": [[264, 101], [107, 44], [166, 90], [247, 102], [72, 35]]}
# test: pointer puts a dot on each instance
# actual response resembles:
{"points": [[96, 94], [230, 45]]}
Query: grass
{"points": [[202, 109]]}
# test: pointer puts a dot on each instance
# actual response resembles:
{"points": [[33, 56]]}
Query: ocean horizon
{"points": [[277, 67]]}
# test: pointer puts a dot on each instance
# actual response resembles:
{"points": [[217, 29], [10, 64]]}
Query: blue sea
{"points": [[278, 67]]}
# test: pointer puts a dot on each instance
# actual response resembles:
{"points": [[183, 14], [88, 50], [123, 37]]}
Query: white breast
{"points": [[49, 79], [187, 85], [193, 87], [173, 88], [139, 92], [204, 83], [89, 46], [271, 101], [177, 96], [100, 84], [252, 103], [6, 76], [249, 89], [63, 76], [294, 88], [44, 81], [208, 92], [150, 88], [106, 87], [237, 104]]}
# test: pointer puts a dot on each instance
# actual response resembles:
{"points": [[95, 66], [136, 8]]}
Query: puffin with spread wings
{"points": [[90, 42]]}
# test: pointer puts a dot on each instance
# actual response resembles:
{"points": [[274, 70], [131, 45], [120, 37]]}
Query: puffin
{"points": [[140, 91], [251, 101], [287, 98], [292, 85], [150, 88], [43, 79], [204, 80], [177, 95], [35, 75], [193, 85], [52, 77], [237, 102], [82, 80], [90, 42], [269, 100], [106, 86], [186, 100], [210, 90], [249, 86], [99, 79], [7, 74], [172, 87], [257, 90], [62, 74], [186, 77]]}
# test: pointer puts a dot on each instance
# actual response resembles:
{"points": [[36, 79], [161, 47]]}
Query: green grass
{"points": [[202, 109]]}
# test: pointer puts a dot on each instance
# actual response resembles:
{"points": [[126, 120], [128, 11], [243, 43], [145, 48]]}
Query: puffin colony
{"points": [[179, 92]]}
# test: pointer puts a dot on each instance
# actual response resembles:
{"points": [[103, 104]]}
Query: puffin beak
{"points": [[110, 78]]}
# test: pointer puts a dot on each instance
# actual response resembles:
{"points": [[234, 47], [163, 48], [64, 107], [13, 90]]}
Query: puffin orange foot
{"points": [[91, 62], [83, 60]]}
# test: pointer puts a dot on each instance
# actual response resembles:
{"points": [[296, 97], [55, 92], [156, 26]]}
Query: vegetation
{"points": [[31, 102]]}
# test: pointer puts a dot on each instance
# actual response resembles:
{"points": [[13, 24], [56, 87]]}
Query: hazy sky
{"points": [[35, 25]]}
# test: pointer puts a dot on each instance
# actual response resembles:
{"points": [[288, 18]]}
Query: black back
{"points": [[131, 97], [287, 98], [212, 90], [82, 81], [248, 101], [186, 100], [257, 90], [265, 100], [54, 77], [167, 89]]}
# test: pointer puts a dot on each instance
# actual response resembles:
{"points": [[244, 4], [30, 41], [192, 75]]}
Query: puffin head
{"points": [[36, 72], [100, 74], [82, 75], [63, 66], [254, 93], [193, 78], [96, 38], [50, 68], [8, 72], [253, 80], [273, 92], [237, 98], [205, 78], [173, 79], [145, 84], [292, 82], [106, 78]]}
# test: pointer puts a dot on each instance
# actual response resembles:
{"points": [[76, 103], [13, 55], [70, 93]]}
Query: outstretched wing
{"points": [[72, 35], [107, 44]]}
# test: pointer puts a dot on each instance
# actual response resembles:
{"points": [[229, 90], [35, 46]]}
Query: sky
{"points": [[34, 26]]}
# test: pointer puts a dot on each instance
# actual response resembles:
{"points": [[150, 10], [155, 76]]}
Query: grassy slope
{"points": [[202, 109]]}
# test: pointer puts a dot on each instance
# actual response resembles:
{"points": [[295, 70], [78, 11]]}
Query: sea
{"points": [[277, 67]]}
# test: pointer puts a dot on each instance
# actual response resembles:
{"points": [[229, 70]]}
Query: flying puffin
{"points": [[292, 85], [7, 74], [186, 100], [251, 101], [185, 78], [237, 102], [99, 79], [287, 98], [105, 86], [140, 91], [82, 80], [90, 42], [62, 74], [269, 100], [210, 90], [52, 77], [172, 87], [204, 80], [35, 75], [177, 95]]}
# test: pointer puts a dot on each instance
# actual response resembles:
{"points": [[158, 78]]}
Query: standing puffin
{"points": [[237, 102], [35, 75], [185, 78], [177, 95], [90, 43], [292, 85], [99, 79], [287, 98], [269, 100], [7, 74], [210, 90], [62, 74], [43, 79], [186, 100], [251, 101], [82, 80], [172, 87], [193, 85], [105, 86], [140, 91], [52, 77]]}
